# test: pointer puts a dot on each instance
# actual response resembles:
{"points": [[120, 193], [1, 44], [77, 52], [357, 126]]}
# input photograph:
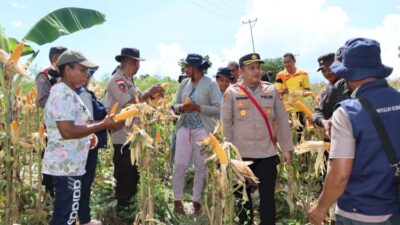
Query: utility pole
{"points": [[251, 30]]}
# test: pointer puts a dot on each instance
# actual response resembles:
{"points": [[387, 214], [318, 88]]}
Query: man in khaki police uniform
{"points": [[246, 128], [122, 89]]}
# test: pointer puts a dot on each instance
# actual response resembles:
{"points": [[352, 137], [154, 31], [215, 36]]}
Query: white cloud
{"points": [[309, 29], [18, 5], [17, 23], [167, 62]]}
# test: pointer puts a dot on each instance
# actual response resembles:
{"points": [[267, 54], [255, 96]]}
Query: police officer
{"points": [[122, 89], [360, 177], [252, 127], [48, 77], [334, 92]]}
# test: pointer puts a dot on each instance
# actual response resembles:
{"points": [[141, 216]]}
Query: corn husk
{"points": [[242, 168]]}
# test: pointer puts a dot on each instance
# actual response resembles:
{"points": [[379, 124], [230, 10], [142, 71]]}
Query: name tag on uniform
{"points": [[242, 98], [267, 96]]}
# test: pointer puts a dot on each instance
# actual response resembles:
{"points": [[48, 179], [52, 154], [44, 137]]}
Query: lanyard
{"points": [[259, 110]]}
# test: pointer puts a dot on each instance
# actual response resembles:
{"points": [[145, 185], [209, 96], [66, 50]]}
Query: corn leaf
{"points": [[62, 22]]}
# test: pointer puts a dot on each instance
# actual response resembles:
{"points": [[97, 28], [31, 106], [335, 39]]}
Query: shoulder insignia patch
{"points": [[121, 85]]}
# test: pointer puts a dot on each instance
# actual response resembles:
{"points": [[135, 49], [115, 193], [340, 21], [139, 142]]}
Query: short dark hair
{"points": [[233, 63], [290, 55], [56, 50]]}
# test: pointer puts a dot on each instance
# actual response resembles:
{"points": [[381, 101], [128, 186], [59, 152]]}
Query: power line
{"points": [[232, 7], [223, 9], [227, 16]]}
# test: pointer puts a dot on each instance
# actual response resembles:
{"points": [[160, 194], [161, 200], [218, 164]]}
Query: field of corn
{"points": [[22, 140]]}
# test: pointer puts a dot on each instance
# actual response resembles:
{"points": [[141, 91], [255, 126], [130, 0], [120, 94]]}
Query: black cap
{"points": [[250, 58], [129, 52], [325, 61], [224, 72]]}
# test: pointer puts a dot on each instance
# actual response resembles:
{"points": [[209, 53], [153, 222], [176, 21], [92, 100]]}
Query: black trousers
{"points": [[265, 170], [126, 176]]}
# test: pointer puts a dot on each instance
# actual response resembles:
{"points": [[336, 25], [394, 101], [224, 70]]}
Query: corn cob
{"points": [[41, 131], [33, 93], [158, 136], [187, 100], [14, 133], [114, 109], [307, 93], [126, 114], [14, 57], [304, 108], [223, 159], [164, 85]]}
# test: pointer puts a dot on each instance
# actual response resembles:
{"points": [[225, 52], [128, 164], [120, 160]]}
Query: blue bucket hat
{"points": [[361, 59], [194, 60]]}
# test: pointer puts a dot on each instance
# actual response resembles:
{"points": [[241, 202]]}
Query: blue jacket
{"points": [[372, 188]]}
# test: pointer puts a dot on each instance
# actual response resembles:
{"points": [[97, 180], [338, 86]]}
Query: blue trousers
{"points": [[393, 220], [67, 191], [87, 180]]}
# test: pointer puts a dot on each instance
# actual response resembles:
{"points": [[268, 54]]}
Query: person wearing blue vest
{"points": [[360, 177], [97, 113]]}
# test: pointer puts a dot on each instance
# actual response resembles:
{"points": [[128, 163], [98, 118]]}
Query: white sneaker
{"points": [[92, 222]]}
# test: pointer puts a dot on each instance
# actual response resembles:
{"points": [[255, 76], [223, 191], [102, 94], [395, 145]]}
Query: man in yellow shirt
{"points": [[292, 84]]}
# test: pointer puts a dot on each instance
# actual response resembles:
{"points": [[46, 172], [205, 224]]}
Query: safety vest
{"points": [[371, 189]]}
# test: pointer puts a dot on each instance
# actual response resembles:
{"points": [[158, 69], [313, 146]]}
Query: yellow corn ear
{"points": [[123, 115], [158, 136], [307, 93], [164, 102], [187, 100], [41, 131], [28, 100], [16, 53], [33, 94], [327, 145], [304, 108], [114, 108], [164, 85], [14, 133], [223, 159]]}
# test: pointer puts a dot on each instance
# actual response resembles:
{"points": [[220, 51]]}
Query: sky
{"points": [[166, 31]]}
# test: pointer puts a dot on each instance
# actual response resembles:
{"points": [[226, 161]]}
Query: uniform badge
{"points": [[268, 111], [121, 85], [266, 92], [242, 94], [254, 57], [243, 112]]}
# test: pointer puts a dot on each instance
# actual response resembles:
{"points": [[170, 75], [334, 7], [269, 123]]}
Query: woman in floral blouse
{"points": [[69, 136]]}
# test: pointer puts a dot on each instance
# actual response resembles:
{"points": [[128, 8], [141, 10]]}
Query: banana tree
{"points": [[58, 23]]}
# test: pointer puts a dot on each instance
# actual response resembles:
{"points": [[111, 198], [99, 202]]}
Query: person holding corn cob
{"points": [[44, 81], [97, 113], [122, 89], [197, 100], [69, 136], [253, 116]]}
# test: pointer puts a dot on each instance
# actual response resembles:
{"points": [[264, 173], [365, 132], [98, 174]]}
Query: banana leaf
{"points": [[62, 22]]}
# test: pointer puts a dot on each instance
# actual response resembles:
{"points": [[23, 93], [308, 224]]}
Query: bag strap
{"points": [[253, 100], [382, 134]]}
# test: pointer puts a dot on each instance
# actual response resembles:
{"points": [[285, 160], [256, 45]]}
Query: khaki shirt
{"points": [[245, 127], [120, 89]]}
